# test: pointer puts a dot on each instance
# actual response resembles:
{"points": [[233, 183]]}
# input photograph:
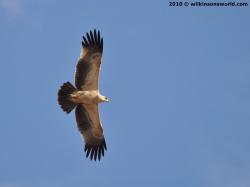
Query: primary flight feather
{"points": [[85, 95]]}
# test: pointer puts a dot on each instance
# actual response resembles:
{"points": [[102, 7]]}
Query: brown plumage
{"points": [[85, 96]]}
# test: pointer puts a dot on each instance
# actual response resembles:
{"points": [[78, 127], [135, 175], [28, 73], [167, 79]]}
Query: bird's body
{"points": [[85, 97]]}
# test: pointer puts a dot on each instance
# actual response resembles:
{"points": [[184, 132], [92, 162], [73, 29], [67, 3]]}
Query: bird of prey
{"points": [[85, 95]]}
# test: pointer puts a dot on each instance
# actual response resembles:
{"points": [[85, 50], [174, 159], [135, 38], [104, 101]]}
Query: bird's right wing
{"points": [[88, 123]]}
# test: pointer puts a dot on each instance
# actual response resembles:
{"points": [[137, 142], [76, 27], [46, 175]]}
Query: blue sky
{"points": [[179, 83]]}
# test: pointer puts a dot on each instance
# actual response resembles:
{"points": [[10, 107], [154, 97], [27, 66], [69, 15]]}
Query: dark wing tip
{"points": [[95, 37], [85, 42], [104, 145], [92, 37], [95, 155], [101, 44], [92, 153], [93, 41], [95, 152], [98, 37], [88, 151]]}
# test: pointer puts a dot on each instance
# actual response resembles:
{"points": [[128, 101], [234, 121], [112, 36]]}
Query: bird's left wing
{"points": [[88, 66], [89, 125]]}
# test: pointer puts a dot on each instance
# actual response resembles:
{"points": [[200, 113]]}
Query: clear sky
{"points": [[179, 83]]}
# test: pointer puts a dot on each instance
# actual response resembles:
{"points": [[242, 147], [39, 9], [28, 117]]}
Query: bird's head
{"points": [[104, 99]]}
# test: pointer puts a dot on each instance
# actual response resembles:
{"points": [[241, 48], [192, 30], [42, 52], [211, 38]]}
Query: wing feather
{"points": [[85, 42], [92, 37], [89, 38], [98, 38], [95, 37]]}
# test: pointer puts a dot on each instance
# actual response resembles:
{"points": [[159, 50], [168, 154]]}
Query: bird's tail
{"points": [[64, 97]]}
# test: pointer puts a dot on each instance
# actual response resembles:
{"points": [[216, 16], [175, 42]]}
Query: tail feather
{"points": [[64, 97]]}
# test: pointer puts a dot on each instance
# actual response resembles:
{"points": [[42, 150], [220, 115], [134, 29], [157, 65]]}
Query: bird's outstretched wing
{"points": [[89, 125], [87, 69]]}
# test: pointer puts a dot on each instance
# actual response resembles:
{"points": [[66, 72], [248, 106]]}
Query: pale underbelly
{"points": [[85, 97]]}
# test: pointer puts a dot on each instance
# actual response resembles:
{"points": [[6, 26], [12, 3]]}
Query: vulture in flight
{"points": [[85, 95]]}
